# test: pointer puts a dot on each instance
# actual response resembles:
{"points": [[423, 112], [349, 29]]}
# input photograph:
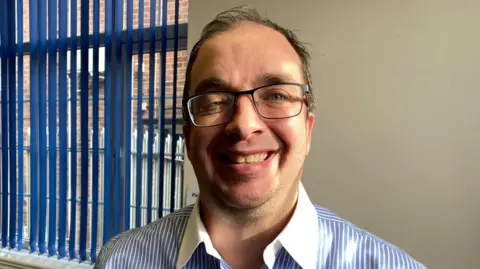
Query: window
{"points": [[88, 146]]}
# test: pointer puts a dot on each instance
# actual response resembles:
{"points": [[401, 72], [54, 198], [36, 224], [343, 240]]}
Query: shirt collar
{"points": [[299, 237], [195, 234]]}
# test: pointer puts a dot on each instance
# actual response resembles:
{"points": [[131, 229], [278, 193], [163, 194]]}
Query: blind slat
{"points": [[12, 120], [151, 104], [95, 119], [52, 125], [108, 104], [33, 125], [20, 123], [163, 69], [128, 112], [62, 95], [118, 115], [139, 146], [173, 150], [42, 128], [84, 89], [4, 96], [73, 126]]}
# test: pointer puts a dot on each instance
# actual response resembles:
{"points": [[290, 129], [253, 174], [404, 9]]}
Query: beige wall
{"points": [[397, 139]]}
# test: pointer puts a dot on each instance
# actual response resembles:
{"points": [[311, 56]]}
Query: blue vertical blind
{"points": [[85, 153]]}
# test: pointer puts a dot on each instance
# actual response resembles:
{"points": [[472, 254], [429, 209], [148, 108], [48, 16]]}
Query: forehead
{"points": [[243, 55]]}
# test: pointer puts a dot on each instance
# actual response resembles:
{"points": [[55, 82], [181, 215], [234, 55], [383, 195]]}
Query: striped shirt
{"points": [[313, 238]]}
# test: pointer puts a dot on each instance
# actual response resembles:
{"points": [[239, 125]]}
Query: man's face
{"points": [[275, 148]]}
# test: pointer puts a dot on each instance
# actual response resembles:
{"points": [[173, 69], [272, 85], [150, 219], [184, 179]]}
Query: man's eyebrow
{"points": [[216, 82], [273, 78], [210, 83]]}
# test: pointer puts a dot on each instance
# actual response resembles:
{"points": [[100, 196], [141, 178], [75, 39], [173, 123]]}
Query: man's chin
{"points": [[242, 200]]}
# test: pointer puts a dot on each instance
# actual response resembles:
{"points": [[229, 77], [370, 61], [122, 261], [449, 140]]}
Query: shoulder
{"points": [[162, 237], [362, 246]]}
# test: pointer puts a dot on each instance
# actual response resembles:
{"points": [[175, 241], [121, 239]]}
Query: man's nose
{"points": [[245, 121]]}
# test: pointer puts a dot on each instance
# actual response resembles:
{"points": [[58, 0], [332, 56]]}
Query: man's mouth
{"points": [[246, 159]]}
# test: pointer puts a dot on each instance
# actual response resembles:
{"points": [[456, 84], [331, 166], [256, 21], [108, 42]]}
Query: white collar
{"points": [[299, 237]]}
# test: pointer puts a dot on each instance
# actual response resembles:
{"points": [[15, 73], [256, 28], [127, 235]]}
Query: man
{"points": [[249, 109]]}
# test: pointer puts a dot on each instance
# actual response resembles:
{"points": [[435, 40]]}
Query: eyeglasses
{"points": [[276, 101]]}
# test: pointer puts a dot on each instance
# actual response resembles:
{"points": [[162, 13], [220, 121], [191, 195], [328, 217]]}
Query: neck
{"points": [[240, 236]]}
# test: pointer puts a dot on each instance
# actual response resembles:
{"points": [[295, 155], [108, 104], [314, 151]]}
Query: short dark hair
{"points": [[233, 17]]}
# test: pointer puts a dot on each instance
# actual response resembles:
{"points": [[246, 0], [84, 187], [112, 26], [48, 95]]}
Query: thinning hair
{"points": [[233, 17]]}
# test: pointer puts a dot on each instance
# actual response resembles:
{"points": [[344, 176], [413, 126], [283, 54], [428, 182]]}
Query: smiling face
{"points": [[249, 160]]}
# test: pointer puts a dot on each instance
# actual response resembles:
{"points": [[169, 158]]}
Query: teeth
{"points": [[250, 158]]}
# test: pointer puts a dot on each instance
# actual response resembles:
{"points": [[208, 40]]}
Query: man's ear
{"points": [[309, 126], [186, 133]]}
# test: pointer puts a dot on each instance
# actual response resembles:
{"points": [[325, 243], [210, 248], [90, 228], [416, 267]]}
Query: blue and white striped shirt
{"points": [[313, 238]]}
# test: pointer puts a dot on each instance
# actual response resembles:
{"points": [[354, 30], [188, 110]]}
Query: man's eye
{"points": [[216, 104], [275, 97], [212, 106]]}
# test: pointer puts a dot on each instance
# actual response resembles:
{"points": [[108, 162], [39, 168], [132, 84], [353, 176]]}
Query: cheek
{"points": [[201, 140], [293, 136]]}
